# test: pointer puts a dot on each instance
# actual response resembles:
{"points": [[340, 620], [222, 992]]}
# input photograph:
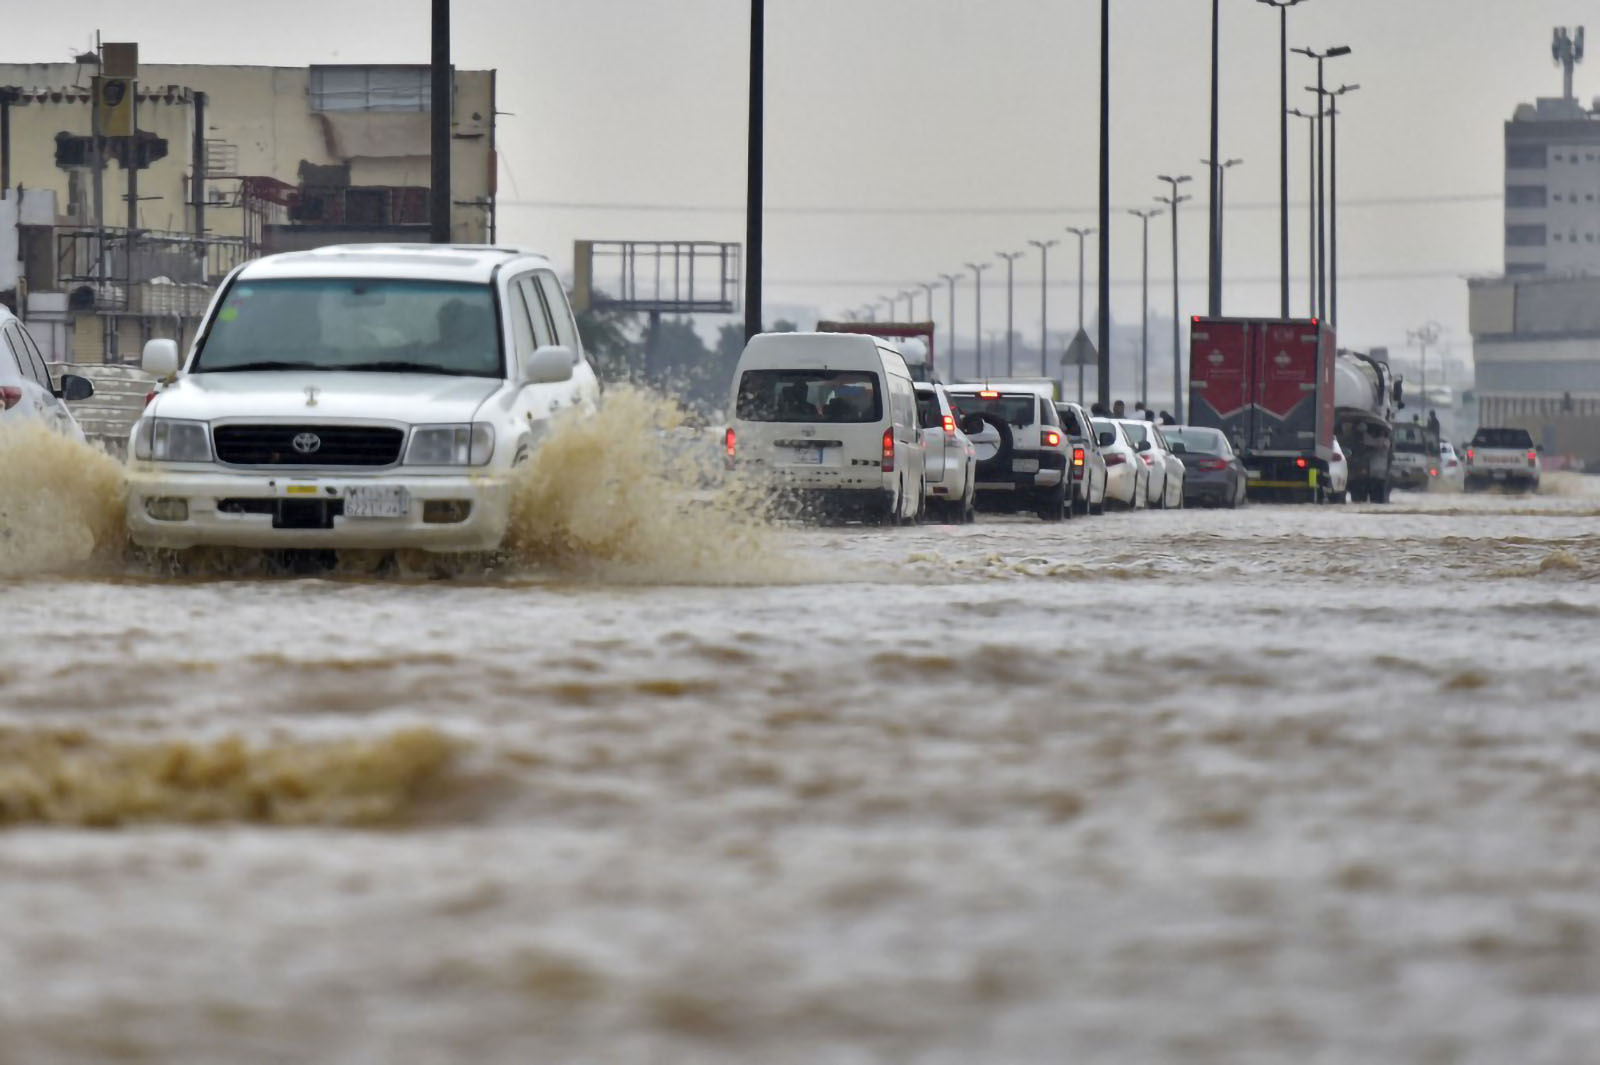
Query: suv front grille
{"points": [[336, 445]]}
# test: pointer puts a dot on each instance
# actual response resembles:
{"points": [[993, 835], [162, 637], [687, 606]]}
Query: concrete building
{"points": [[284, 158]]}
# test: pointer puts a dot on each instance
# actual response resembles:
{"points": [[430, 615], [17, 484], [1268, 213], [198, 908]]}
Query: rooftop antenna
{"points": [[1567, 49]]}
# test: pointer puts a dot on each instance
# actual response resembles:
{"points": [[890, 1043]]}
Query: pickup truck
{"points": [[1502, 457]]}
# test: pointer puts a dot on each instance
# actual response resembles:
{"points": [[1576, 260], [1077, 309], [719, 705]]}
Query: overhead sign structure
{"points": [[113, 106]]}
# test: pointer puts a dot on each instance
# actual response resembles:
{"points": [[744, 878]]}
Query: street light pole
{"points": [[1322, 202], [1311, 210], [439, 196], [1044, 247], [1103, 363], [1177, 349], [1080, 233], [1011, 258], [928, 288], [1333, 201], [1214, 281], [1144, 311], [1283, 7], [754, 163], [1221, 172], [977, 305], [951, 279]]}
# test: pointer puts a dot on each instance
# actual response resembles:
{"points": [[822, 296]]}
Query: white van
{"points": [[831, 418]]}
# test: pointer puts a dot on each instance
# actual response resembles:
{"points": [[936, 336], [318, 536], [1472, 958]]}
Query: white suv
{"points": [[370, 396], [1022, 448]]}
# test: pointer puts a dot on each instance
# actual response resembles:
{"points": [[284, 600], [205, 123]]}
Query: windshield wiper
{"points": [[265, 364], [402, 366]]}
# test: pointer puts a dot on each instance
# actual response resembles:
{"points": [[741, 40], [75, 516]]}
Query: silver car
{"points": [[950, 476], [26, 391]]}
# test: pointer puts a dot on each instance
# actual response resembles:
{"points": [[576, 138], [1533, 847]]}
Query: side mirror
{"points": [[1144, 445], [547, 366], [1179, 448], [160, 358], [1108, 439], [972, 425], [75, 389]]}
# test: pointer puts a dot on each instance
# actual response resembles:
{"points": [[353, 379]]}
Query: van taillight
{"points": [[1300, 463], [888, 450], [949, 423], [10, 397], [148, 396], [1077, 456], [730, 443], [1052, 439]]}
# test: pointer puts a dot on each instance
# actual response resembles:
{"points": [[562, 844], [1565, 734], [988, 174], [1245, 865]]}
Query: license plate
{"points": [[1024, 465], [377, 501], [1499, 475], [1254, 475], [808, 456]]}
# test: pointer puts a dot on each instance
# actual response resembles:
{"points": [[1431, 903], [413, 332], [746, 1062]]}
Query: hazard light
{"points": [[988, 393], [1077, 456]]}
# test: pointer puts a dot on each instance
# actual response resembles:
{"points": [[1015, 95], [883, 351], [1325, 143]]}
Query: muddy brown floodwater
{"points": [[1276, 785]]}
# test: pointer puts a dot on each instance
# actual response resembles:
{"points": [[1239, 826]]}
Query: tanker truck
{"points": [[1366, 397]]}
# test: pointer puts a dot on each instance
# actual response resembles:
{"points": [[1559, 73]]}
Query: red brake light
{"points": [[1433, 473], [949, 423], [730, 442], [888, 450], [10, 397], [988, 393], [1077, 456], [1300, 463], [1212, 464], [1115, 459], [1051, 438], [1533, 456], [1469, 454]]}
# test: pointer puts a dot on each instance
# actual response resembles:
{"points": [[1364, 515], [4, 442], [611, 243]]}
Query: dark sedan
{"points": [[1213, 474]]}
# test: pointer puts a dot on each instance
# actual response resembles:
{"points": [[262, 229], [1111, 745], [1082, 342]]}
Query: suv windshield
{"points": [[1518, 439], [1198, 441], [434, 327], [1018, 411], [809, 396]]}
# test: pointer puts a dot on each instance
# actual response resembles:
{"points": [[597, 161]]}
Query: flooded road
{"points": [[1277, 785]]}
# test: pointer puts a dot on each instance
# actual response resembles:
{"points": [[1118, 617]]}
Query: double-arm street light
{"points": [[1080, 232], [1311, 209], [1219, 223], [977, 305], [1322, 203], [1144, 313], [951, 279], [1173, 200], [928, 287], [1333, 201], [1044, 247], [1011, 258], [1283, 7]]}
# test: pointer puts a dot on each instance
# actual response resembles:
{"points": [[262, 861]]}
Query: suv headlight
{"points": [[451, 445], [171, 440]]}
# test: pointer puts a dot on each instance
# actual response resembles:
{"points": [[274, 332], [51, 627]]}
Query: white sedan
{"points": [[1338, 486], [1165, 483], [1127, 477]]}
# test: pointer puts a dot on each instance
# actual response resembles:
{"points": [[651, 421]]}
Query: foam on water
{"points": [[61, 502]]}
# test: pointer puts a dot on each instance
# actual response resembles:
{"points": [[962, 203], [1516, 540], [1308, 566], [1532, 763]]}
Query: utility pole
{"points": [[977, 318], [1333, 201], [1311, 210], [1044, 247], [754, 172], [951, 279], [928, 288], [1322, 202], [1220, 174], [441, 104], [1177, 348], [1214, 282], [1144, 304], [1425, 337], [1080, 233], [1103, 367], [1011, 258], [1283, 7]]}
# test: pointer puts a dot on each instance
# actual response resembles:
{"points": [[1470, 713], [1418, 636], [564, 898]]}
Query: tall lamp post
{"points": [[1080, 233], [977, 306], [1221, 202], [1173, 201], [1322, 203], [1425, 337], [439, 197], [1144, 312], [1311, 210], [1214, 244], [928, 287], [1103, 363], [1333, 201], [1044, 247], [753, 171], [951, 279], [1011, 258], [1283, 7]]}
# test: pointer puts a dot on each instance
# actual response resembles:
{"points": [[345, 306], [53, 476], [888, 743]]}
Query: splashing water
{"points": [[61, 502]]}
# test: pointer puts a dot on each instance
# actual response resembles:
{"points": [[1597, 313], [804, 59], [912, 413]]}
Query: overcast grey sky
{"points": [[983, 113]]}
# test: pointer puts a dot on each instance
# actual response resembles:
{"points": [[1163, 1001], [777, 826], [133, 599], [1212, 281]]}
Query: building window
{"points": [[386, 88], [1525, 196], [1525, 236], [1526, 156], [1558, 238]]}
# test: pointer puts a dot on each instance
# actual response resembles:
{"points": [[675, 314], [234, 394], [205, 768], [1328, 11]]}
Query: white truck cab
{"points": [[363, 396]]}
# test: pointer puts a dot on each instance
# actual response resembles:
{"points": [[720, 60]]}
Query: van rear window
{"points": [[1018, 411], [809, 396]]}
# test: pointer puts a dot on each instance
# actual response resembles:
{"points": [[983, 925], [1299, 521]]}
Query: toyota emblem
{"points": [[307, 443]]}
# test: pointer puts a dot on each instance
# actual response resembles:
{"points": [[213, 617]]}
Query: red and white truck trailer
{"points": [[1268, 383]]}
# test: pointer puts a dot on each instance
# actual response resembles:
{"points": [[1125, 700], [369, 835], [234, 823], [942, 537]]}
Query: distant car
{"points": [[26, 391], [1166, 469], [1215, 476], [1127, 477], [1452, 471], [1023, 451], [950, 470], [1088, 464], [1338, 486], [1416, 456], [1505, 457]]}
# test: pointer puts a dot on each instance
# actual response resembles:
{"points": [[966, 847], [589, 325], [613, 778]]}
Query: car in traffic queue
{"points": [[1127, 477], [1214, 475], [830, 422], [1165, 487], [1416, 457], [949, 459], [26, 390], [1336, 488], [1452, 471], [1088, 464], [362, 396], [1022, 449], [1501, 456]]}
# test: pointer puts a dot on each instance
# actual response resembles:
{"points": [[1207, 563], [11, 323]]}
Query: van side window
{"points": [[555, 299], [544, 332], [521, 324]]}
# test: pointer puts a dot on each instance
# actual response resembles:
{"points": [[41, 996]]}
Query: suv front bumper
{"points": [[178, 508]]}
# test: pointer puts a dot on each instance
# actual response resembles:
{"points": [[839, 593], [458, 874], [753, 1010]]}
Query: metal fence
{"points": [[135, 270]]}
